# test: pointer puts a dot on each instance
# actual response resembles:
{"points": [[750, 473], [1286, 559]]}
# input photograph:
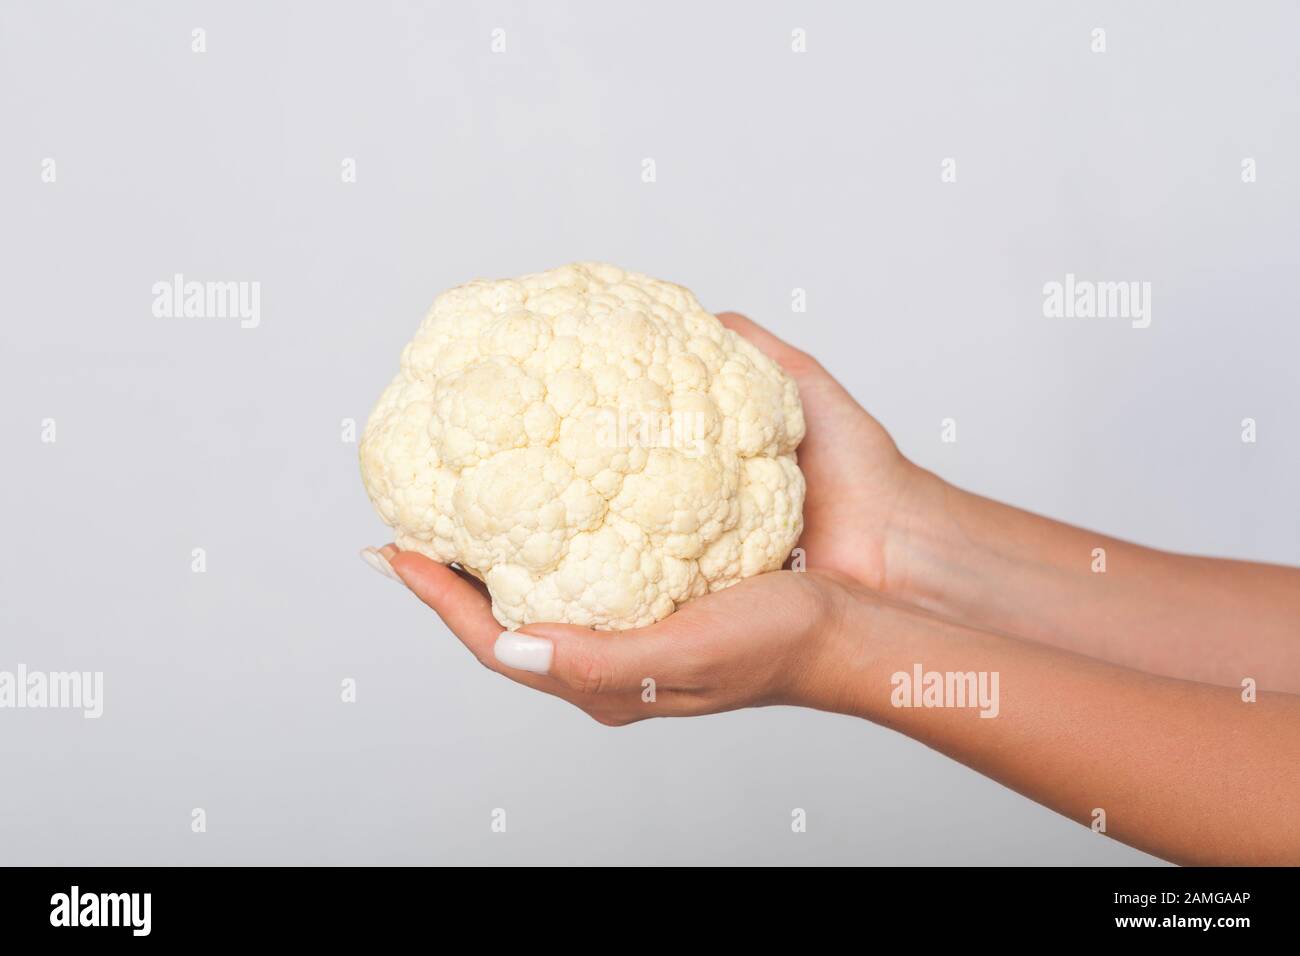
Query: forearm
{"points": [[1186, 771], [1000, 568]]}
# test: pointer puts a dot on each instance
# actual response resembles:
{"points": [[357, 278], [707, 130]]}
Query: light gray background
{"points": [[775, 171]]}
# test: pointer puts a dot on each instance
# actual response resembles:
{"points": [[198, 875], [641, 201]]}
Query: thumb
{"points": [[797, 363], [584, 662], [828, 401]]}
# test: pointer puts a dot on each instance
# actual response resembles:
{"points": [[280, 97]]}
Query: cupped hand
{"points": [[857, 479], [768, 640], [776, 638]]}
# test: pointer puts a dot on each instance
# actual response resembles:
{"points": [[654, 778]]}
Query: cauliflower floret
{"points": [[590, 443]]}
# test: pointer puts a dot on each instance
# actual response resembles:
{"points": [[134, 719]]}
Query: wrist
{"points": [[963, 557], [925, 553], [854, 635]]}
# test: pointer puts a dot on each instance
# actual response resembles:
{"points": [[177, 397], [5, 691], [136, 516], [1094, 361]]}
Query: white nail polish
{"points": [[523, 652], [380, 564]]}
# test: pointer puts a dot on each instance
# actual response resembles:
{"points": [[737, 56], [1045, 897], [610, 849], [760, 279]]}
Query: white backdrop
{"points": [[775, 170]]}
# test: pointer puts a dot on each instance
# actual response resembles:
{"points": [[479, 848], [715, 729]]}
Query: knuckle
{"points": [[695, 671], [588, 674]]}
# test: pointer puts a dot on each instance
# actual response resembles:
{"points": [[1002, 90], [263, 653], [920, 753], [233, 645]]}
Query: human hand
{"points": [[857, 509], [768, 640], [911, 537]]}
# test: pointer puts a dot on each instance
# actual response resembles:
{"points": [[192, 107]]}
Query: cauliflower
{"points": [[589, 443]]}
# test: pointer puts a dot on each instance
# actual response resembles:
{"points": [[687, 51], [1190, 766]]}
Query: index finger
{"points": [[563, 659]]}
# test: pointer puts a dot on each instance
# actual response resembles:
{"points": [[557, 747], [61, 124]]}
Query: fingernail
{"points": [[523, 652], [380, 564]]}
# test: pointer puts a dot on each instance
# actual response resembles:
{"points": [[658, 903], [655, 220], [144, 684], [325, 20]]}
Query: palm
{"points": [[755, 643], [752, 644], [854, 472]]}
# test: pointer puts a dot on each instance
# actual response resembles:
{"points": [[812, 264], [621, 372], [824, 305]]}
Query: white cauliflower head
{"points": [[590, 443]]}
